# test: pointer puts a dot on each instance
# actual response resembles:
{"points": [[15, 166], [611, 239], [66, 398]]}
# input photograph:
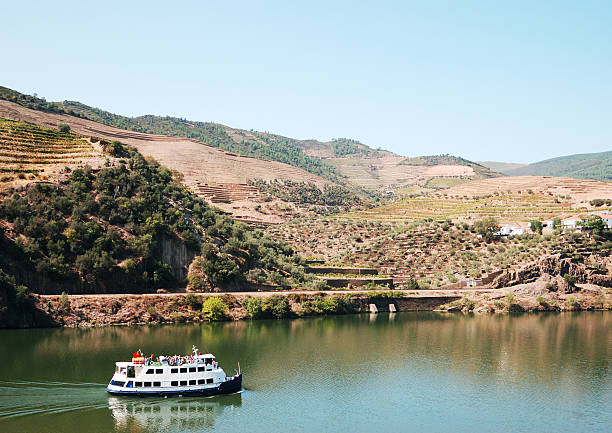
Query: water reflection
{"points": [[170, 414], [309, 370]]}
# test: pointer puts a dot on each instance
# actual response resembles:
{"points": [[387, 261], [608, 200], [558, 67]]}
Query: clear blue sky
{"points": [[510, 81]]}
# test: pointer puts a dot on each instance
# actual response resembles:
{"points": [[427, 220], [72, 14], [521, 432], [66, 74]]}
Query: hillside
{"points": [[564, 189], [501, 167], [429, 254], [268, 147], [222, 178], [129, 227], [29, 152], [343, 161], [596, 166]]}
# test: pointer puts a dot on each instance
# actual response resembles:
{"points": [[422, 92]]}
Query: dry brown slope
{"points": [[388, 172], [580, 191], [200, 165]]}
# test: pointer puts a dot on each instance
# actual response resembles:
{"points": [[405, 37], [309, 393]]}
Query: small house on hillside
{"points": [[571, 222], [509, 230]]}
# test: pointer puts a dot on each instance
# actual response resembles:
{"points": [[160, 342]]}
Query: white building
{"points": [[509, 230], [571, 222]]}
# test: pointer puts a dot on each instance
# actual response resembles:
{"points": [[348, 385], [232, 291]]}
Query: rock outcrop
{"points": [[552, 268]]}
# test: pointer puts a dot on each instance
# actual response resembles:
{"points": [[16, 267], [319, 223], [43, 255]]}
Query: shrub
{"points": [[572, 302], [214, 308], [413, 284], [515, 308], [22, 295], [276, 306], [571, 279], [345, 304], [253, 306], [325, 305], [178, 317], [63, 127], [193, 301], [115, 148], [509, 297], [468, 304], [64, 303], [542, 301]]}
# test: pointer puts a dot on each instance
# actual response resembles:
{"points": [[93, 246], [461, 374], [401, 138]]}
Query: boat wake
{"points": [[21, 398]]}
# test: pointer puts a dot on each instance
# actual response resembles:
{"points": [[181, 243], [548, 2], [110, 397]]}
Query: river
{"points": [[422, 372]]}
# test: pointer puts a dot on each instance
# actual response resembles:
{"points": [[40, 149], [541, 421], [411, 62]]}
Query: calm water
{"points": [[406, 372]]}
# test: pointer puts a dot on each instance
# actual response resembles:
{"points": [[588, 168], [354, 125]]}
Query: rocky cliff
{"points": [[561, 270]]}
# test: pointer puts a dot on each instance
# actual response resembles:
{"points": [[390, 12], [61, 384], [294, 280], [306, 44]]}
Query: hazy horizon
{"points": [[510, 83]]}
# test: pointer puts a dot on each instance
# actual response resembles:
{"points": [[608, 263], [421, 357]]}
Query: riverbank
{"points": [[108, 310]]}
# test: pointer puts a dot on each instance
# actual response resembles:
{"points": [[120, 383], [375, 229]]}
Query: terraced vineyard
{"points": [[433, 253], [507, 208], [28, 151], [578, 191]]}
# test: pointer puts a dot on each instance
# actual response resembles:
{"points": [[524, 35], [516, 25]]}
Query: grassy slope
{"points": [[581, 166]]}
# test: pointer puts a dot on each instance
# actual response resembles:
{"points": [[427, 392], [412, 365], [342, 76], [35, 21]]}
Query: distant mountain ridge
{"points": [[596, 166], [501, 167], [343, 161]]}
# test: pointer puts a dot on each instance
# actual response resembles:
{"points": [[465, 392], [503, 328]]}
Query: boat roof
{"points": [[126, 363]]}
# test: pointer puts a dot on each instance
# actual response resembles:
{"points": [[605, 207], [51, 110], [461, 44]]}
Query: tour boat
{"points": [[192, 375]]}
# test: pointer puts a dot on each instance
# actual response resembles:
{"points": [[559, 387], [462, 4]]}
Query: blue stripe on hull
{"points": [[228, 387]]}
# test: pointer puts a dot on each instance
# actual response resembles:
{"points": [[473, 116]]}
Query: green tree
{"points": [[594, 224], [536, 226], [487, 228], [253, 306], [276, 306], [214, 309]]}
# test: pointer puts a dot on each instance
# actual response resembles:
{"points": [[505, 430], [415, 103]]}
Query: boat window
{"points": [[200, 368], [138, 384], [156, 383], [174, 370], [117, 383], [192, 369], [201, 381], [130, 384], [159, 371], [130, 371], [209, 380], [150, 371], [147, 384], [174, 383], [192, 382], [183, 370], [183, 382]]}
